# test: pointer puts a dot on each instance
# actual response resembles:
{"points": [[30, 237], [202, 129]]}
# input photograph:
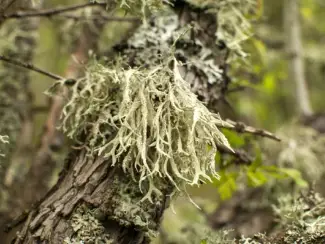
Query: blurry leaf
{"points": [[204, 241], [307, 13], [256, 178], [258, 159], [227, 184], [269, 83], [260, 50], [295, 175], [217, 158], [233, 138]]}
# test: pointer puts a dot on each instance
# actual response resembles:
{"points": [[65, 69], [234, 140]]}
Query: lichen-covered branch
{"points": [[140, 132]]}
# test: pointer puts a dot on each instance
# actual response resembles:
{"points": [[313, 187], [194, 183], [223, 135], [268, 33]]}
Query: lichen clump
{"points": [[139, 7], [87, 228], [146, 121]]}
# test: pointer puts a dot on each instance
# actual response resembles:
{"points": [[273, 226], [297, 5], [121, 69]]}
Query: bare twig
{"points": [[240, 155], [49, 12], [106, 18], [242, 128], [30, 67]]}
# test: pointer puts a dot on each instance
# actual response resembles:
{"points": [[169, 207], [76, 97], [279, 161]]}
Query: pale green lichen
{"points": [[139, 7], [233, 25], [3, 140], [155, 40], [146, 121], [301, 148], [126, 206], [87, 228]]}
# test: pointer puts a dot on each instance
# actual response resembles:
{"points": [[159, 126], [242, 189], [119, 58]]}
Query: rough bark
{"points": [[105, 190]]}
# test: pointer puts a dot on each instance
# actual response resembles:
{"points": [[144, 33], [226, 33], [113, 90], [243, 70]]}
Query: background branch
{"points": [[30, 67]]}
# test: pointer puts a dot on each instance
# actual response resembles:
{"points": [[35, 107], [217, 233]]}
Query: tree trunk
{"points": [[295, 51], [112, 202]]}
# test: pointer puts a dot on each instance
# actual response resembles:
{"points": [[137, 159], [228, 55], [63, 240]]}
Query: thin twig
{"points": [[242, 156], [106, 18], [49, 12], [242, 128], [30, 67]]}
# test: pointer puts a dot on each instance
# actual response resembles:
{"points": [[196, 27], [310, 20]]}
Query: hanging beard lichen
{"points": [[146, 121]]}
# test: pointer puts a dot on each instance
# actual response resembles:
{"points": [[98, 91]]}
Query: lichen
{"points": [[233, 24], [138, 7], [127, 208], [154, 41], [301, 148], [87, 228], [146, 121], [3, 140]]}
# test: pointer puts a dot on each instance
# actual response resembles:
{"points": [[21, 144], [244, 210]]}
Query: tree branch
{"points": [[242, 128], [49, 12], [31, 67], [106, 18]]}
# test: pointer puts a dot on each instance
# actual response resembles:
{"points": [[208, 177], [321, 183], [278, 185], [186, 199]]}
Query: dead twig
{"points": [[242, 128], [31, 67], [49, 12]]}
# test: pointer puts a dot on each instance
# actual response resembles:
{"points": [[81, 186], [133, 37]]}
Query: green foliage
{"points": [[227, 184], [233, 172]]}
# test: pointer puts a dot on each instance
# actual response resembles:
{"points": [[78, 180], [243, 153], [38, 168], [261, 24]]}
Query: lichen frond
{"points": [[233, 24], [87, 228], [3, 140], [138, 7], [146, 121]]}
